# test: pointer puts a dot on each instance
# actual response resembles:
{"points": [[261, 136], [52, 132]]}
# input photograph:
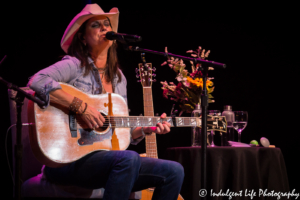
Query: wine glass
{"points": [[213, 113], [240, 123]]}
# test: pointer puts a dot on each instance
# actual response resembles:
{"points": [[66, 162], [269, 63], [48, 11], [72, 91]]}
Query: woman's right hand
{"points": [[92, 117]]}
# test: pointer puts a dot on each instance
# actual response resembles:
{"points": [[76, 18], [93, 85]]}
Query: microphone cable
{"points": [[9, 167]]}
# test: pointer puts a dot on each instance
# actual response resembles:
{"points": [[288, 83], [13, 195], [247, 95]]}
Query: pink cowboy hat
{"points": [[89, 11]]}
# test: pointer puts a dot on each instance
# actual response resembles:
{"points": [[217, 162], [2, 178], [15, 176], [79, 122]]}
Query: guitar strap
{"points": [[73, 124]]}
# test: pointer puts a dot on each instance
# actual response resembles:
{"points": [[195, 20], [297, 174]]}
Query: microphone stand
{"points": [[204, 99], [19, 99]]}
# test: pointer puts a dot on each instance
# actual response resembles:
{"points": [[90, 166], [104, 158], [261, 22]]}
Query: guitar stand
{"points": [[19, 99]]}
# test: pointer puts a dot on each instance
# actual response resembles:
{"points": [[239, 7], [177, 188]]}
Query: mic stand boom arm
{"points": [[195, 60], [204, 99]]}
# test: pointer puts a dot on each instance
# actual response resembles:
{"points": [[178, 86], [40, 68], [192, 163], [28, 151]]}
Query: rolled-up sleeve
{"points": [[46, 80], [137, 140]]}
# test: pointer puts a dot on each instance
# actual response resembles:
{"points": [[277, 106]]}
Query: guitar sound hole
{"points": [[100, 130], [105, 124]]}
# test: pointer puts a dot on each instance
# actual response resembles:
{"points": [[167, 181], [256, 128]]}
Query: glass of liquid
{"points": [[240, 123]]}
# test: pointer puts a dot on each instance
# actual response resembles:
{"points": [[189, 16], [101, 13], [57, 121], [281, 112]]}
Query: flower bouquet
{"points": [[190, 85]]}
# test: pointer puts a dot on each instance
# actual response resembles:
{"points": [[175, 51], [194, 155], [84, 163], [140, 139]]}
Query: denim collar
{"points": [[90, 60]]}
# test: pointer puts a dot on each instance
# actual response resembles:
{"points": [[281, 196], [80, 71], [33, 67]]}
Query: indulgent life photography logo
{"points": [[250, 193]]}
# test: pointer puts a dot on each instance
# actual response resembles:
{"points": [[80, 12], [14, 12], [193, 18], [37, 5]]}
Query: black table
{"points": [[243, 170]]}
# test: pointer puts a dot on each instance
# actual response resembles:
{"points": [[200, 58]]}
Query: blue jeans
{"points": [[120, 173]]}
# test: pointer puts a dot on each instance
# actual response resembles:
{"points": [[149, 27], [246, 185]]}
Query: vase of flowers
{"points": [[187, 91]]}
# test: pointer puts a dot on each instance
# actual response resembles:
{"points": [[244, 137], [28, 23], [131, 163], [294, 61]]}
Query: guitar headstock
{"points": [[144, 72], [216, 123]]}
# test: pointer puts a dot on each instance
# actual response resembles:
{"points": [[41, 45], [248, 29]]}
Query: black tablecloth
{"points": [[246, 169]]}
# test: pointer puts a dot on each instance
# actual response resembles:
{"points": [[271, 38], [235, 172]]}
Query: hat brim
{"points": [[80, 18]]}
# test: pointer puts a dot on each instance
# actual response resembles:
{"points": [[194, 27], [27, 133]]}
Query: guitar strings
{"points": [[134, 118], [144, 125], [141, 121], [111, 121]]}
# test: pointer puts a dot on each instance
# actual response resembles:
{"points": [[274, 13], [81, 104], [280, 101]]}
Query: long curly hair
{"points": [[80, 51]]}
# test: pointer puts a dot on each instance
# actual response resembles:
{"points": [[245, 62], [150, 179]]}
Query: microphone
{"points": [[121, 37]]}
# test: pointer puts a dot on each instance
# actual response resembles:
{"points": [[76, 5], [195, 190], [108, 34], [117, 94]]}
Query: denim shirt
{"points": [[68, 70]]}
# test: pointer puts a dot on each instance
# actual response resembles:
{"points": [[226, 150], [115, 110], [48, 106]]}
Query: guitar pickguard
{"points": [[89, 137]]}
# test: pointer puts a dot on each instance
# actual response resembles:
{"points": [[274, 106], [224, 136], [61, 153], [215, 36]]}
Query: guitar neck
{"points": [[150, 140], [146, 121], [216, 123], [148, 101]]}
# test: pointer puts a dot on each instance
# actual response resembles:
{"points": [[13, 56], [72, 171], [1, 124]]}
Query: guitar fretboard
{"points": [[216, 123], [151, 146], [145, 121]]}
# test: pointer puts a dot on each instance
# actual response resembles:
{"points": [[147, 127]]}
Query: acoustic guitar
{"points": [[146, 79], [60, 137]]}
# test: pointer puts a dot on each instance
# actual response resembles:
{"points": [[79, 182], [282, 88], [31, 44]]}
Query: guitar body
{"points": [[59, 138], [51, 139]]}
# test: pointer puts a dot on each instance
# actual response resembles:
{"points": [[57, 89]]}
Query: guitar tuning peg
{"points": [[137, 75], [154, 75], [137, 70], [153, 69], [154, 80], [138, 81], [141, 114], [156, 114]]}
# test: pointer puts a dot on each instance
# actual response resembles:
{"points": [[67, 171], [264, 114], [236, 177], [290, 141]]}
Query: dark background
{"points": [[258, 43]]}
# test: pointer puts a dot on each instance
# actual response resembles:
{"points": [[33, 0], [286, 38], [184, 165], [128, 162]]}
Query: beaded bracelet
{"points": [[75, 105]]}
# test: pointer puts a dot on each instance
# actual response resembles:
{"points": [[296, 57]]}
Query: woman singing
{"points": [[92, 66]]}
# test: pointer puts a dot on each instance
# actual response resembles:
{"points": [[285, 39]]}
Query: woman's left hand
{"points": [[160, 128]]}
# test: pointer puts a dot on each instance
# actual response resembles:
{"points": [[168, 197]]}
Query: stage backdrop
{"points": [[259, 45]]}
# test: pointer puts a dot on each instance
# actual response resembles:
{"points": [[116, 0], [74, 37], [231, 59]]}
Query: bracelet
{"points": [[75, 105], [84, 109]]}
